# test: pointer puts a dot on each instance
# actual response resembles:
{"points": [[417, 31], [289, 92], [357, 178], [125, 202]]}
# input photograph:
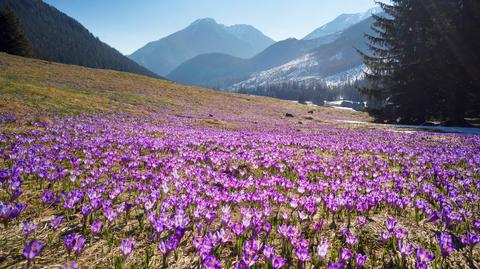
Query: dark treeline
{"points": [[424, 62], [54, 36], [315, 92], [12, 37]]}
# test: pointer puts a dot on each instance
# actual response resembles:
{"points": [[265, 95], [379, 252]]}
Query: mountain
{"points": [[217, 70], [57, 37], [341, 23], [247, 33], [334, 60], [285, 59], [201, 37]]}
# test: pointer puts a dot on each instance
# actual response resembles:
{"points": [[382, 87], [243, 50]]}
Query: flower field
{"points": [[118, 190]]}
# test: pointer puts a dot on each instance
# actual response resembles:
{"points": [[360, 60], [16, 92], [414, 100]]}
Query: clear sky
{"points": [[129, 24]]}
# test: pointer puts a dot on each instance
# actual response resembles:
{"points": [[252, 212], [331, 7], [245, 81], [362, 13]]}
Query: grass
{"points": [[29, 86]]}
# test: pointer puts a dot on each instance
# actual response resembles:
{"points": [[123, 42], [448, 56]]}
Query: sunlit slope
{"points": [[34, 86]]}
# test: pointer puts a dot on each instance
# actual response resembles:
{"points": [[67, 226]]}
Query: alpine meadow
{"points": [[177, 134]]}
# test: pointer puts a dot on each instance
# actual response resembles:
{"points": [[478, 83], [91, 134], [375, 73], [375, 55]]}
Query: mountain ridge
{"points": [[200, 37], [341, 22]]}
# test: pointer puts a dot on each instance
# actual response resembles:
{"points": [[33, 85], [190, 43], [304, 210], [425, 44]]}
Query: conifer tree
{"points": [[424, 61], [12, 37]]}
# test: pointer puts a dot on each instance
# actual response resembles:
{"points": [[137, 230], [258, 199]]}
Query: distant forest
{"points": [[424, 62], [54, 36], [315, 92]]}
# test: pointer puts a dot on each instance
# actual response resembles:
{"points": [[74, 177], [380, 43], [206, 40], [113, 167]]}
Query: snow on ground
{"points": [[443, 129]]}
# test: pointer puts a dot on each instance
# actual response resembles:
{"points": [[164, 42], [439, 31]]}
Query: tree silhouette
{"points": [[12, 37]]}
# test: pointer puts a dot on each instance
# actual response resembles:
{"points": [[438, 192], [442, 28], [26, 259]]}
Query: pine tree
{"points": [[12, 37], [424, 61]]}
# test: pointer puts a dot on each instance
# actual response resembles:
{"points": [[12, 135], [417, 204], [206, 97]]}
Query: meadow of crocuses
{"points": [[124, 192], [101, 169]]}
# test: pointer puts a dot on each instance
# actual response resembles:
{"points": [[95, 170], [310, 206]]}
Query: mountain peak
{"points": [[341, 23], [204, 21]]}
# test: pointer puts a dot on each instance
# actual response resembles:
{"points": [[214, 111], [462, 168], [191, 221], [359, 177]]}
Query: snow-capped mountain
{"points": [[303, 68], [341, 23], [334, 63]]}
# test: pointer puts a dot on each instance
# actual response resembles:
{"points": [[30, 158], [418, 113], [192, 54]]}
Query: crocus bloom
{"points": [[337, 265], [79, 244], [33, 249], [400, 233], [96, 226], [268, 252], [345, 254], [445, 243], [278, 262], [69, 242], [423, 258], [211, 262], [302, 254], [55, 222], [162, 247], [360, 260], [74, 242], [127, 246], [322, 249], [28, 228], [70, 265], [351, 239], [470, 239], [390, 224], [405, 248], [361, 220]]}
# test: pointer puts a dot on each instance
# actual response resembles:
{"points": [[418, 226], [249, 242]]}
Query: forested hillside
{"points": [[57, 37]]}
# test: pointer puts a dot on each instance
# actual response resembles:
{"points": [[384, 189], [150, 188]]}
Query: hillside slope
{"points": [[29, 86], [57, 37]]}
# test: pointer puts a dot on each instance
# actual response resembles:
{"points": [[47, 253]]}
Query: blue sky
{"points": [[129, 24]]}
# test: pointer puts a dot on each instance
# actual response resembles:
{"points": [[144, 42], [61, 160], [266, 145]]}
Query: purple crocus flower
{"points": [[360, 260], [424, 257], [390, 224], [470, 239], [79, 244], [400, 233], [86, 210], [445, 243], [335, 265], [351, 239], [162, 247], [48, 197], [278, 262], [70, 265], [211, 262], [317, 226], [361, 220], [345, 254], [33, 249], [127, 246], [28, 228], [74, 242], [302, 254], [405, 248], [69, 242], [96, 226], [268, 252], [322, 249], [55, 222]]}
